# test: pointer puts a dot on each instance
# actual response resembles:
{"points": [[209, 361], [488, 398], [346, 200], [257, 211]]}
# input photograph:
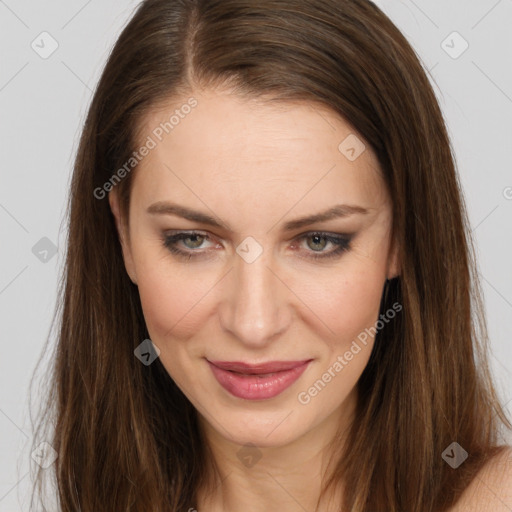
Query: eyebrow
{"points": [[338, 211]]}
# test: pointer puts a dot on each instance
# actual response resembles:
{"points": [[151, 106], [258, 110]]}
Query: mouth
{"points": [[257, 381]]}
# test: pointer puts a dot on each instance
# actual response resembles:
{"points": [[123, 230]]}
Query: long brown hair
{"points": [[126, 436]]}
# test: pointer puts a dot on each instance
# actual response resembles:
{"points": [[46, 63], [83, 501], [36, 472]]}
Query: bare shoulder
{"points": [[491, 490]]}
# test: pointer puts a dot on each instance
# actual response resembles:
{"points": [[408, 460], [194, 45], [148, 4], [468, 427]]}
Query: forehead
{"points": [[228, 144]]}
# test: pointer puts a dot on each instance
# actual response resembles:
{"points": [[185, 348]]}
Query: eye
{"points": [[196, 241], [319, 240], [315, 241]]}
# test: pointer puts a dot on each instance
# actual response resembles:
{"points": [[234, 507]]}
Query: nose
{"points": [[255, 309]]}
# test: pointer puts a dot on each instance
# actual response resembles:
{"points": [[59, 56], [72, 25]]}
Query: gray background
{"points": [[43, 102]]}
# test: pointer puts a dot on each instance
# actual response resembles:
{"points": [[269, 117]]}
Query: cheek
{"points": [[174, 311], [342, 307], [350, 310], [167, 293], [346, 299], [173, 305]]}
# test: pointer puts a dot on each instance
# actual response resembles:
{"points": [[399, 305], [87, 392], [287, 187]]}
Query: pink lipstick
{"points": [[257, 381]]}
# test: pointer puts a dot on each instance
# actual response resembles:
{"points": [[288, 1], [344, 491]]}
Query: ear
{"points": [[394, 264], [123, 235]]}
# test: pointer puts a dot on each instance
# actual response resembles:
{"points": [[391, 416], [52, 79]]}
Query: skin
{"points": [[491, 489], [255, 166]]}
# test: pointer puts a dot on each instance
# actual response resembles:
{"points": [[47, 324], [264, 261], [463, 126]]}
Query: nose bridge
{"points": [[255, 301]]}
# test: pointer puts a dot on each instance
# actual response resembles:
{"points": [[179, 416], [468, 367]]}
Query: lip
{"points": [[259, 381]]}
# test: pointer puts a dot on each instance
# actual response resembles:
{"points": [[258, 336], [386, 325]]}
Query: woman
{"points": [[270, 298]]}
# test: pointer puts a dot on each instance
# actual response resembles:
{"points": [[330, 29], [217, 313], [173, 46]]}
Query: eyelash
{"points": [[342, 244]]}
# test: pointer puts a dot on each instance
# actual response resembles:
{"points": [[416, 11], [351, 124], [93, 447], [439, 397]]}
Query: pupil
{"points": [[318, 237], [194, 237]]}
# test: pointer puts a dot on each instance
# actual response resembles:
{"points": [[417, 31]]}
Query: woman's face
{"points": [[254, 284]]}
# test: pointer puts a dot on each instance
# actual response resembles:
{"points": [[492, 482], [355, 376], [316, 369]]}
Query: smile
{"points": [[257, 382]]}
